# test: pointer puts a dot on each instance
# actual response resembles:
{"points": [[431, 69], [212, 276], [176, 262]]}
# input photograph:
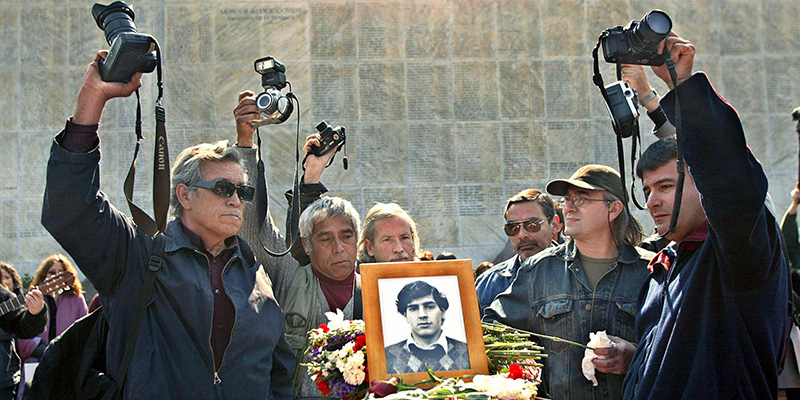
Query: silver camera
{"points": [[622, 105], [275, 106]]}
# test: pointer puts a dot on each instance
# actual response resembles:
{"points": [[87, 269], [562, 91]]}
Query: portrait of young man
{"points": [[428, 344]]}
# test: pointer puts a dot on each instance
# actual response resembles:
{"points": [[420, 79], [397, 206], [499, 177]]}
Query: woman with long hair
{"points": [[62, 308]]}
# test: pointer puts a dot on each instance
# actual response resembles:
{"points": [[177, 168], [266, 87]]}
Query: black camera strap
{"points": [[636, 149], [681, 164], [597, 78], [161, 173], [262, 201]]}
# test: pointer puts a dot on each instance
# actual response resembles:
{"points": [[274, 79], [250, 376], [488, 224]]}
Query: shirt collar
{"points": [[698, 234], [441, 342], [691, 242], [195, 239]]}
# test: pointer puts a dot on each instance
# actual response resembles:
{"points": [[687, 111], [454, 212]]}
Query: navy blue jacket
{"points": [[172, 358], [713, 325]]}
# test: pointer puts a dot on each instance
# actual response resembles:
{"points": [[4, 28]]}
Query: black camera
{"points": [[637, 42], [329, 138], [275, 107], [623, 109], [130, 51]]}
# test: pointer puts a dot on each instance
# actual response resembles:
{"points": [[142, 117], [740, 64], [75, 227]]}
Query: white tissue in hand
{"points": [[596, 339]]}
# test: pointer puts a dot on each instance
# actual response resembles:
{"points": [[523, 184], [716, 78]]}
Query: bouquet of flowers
{"points": [[338, 357]]}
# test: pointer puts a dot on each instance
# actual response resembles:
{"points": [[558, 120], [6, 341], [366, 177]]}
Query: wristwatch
{"points": [[650, 96]]}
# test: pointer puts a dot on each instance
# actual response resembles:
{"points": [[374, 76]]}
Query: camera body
{"points": [[637, 42], [130, 51], [275, 106], [329, 138], [623, 108]]}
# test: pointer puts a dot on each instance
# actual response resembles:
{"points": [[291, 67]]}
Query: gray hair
{"points": [[324, 208], [188, 167], [378, 212], [625, 229]]}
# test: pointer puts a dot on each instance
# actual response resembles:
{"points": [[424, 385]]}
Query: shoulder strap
{"points": [[161, 178], [156, 261], [358, 303]]}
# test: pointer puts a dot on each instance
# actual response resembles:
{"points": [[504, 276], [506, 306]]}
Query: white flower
{"points": [[596, 339], [502, 388], [335, 320]]}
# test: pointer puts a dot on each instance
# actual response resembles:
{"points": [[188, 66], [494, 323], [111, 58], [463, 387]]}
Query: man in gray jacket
{"points": [[212, 329], [325, 278]]}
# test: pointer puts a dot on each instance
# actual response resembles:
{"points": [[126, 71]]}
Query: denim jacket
{"points": [[494, 281], [551, 295]]}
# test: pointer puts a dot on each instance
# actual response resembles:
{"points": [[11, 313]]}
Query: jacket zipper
{"points": [[217, 379]]}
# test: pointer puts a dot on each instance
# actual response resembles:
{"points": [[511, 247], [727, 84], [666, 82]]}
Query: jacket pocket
{"points": [[296, 333], [625, 320], [556, 321]]}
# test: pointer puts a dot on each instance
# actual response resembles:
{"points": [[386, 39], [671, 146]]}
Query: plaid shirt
{"points": [[400, 360]]}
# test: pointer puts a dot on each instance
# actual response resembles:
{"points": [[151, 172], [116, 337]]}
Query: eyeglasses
{"points": [[224, 188], [578, 201], [531, 225]]}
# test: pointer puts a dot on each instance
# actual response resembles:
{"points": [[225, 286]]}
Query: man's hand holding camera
{"points": [[95, 92], [314, 164], [682, 52], [244, 112]]}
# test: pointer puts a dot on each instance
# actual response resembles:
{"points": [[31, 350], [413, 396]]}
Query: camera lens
{"points": [[658, 22], [264, 102], [114, 19], [652, 29]]}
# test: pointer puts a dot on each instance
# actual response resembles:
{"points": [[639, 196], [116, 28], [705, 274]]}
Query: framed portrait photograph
{"points": [[420, 315]]}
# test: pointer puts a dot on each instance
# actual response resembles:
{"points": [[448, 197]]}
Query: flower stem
{"points": [[498, 327]]}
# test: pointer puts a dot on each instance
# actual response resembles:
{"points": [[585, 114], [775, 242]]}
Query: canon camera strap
{"points": [[161, 173]]}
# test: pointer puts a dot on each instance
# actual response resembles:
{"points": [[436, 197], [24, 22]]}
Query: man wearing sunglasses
{"points": [[590, 283], [213, 328], [531, 221]]}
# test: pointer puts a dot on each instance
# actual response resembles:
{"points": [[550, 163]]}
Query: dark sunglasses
{"points": [[224, 188], [531, 225]]}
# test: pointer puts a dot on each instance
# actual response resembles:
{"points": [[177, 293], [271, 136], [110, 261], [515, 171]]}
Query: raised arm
{"points": [[256, 232], [75, 212], [731, 181], [636, 76]]}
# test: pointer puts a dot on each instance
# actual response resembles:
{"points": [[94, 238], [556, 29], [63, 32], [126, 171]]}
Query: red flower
{"points": [[361, 341], [323, 387], [516, 372], [324, 327]]}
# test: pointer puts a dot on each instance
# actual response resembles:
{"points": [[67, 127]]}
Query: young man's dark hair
{"points": [[417, 289], [657, 155]]}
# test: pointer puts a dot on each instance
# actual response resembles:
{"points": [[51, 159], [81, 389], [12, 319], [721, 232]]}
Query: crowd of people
{"points": [[698, 311]]}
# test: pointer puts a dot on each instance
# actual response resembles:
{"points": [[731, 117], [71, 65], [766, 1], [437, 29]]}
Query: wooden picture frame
{"points": [[382, 282]]}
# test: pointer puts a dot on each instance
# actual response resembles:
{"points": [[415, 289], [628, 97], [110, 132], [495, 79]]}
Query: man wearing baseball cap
{"points": [[589, 283]]}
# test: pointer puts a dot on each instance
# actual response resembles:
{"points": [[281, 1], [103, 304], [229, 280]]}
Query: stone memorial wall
{"points": [[450, 106]]}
